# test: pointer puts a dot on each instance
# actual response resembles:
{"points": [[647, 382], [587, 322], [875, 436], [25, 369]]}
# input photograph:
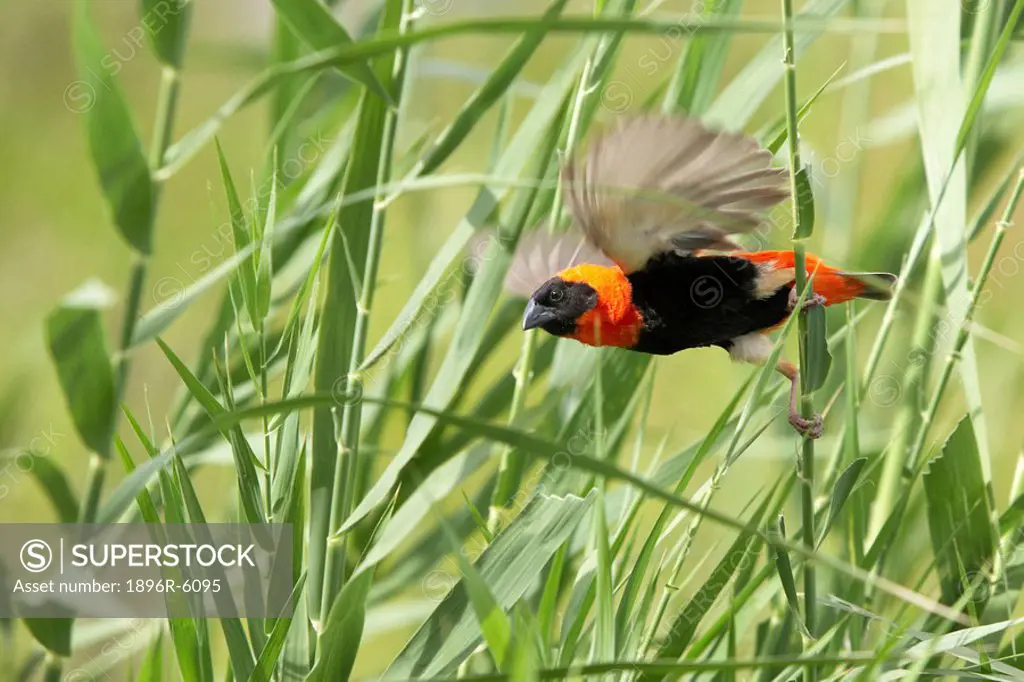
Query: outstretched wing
{"points": [[668, 183], [539, 256]]}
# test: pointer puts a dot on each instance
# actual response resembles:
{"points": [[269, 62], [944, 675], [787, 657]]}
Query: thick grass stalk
{"points": [[965, 330], [344, 492], [800, 263], [167, 105]]}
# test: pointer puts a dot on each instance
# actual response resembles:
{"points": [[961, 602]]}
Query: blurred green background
{"points": [[55, 234], [861, 141]]}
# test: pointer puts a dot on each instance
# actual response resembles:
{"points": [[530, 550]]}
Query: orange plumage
{"points": [[614, 319], [835, 285]]}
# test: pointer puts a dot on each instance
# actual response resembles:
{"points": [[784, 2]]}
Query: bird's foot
{"points": [[814, 300], [810, 428]]}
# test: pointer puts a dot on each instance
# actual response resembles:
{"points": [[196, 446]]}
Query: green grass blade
{"points": [[784, 567], [775, 135], [495, 625], [52, 479], [239, 650], [546, 611], [545, 450], [248, 481], [271, 651], [78, 346], [115, 146], [959, 513], [487, 95], [443, 271], [152, 665], [436, 486], [508, 566], [742, 552], [984, 78], [185, 632], [467, 342], [316, 26], [810, 26], [145, 501], [350, 284], [525, 638], [54, 634], [752, 86], [693, 84], [845, 485], [343, 629], [992, 203], [938, 86], [263, 256], [166, 23], [338, 643], [176, 300], [244, 287], [604, 627]]}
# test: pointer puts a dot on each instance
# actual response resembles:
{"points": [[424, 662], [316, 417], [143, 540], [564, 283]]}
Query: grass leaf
{"points": [[53, 633], [51, 477], [248, 481], [79, 350], [785, 570], [152, 666], [844, 487], [239, 649], [166, 23], [484, 98], [509, 566], [742, 552], [268, 657], [942, 111], [117, 152], [467, 342], [958, 513], [313, 22], [739, 101], [495, 625]]}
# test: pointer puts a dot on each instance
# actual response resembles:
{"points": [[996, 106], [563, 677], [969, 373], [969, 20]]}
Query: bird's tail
{"points": [[837, 286], [876, 286]]}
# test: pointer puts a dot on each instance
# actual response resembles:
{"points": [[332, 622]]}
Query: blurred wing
{"points": [[660, 184], [539, 256]]}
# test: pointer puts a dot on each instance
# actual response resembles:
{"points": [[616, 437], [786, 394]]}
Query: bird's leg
{"points": [[811, 428], [812, 301]]}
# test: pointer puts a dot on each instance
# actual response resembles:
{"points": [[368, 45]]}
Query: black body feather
{"points": [[695, 301]]}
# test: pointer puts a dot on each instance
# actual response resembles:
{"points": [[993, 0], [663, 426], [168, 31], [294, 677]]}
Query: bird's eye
{"points": [[556, 296]]}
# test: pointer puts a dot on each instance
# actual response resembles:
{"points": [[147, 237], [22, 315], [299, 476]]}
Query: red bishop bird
{"points": [[657, 272]]}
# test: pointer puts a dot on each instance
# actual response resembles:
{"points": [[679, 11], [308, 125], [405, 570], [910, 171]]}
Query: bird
{"points": [[654, 204]]}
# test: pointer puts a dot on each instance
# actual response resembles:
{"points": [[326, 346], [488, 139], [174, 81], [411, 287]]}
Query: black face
{"points": [[555, 306]]}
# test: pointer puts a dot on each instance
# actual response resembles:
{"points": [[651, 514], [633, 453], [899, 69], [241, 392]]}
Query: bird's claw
{"points": [[814, 300], [811, 428]]}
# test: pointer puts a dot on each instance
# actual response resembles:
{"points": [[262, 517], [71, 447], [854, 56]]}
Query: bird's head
{"points": [[590, 303], [557, 306]]}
